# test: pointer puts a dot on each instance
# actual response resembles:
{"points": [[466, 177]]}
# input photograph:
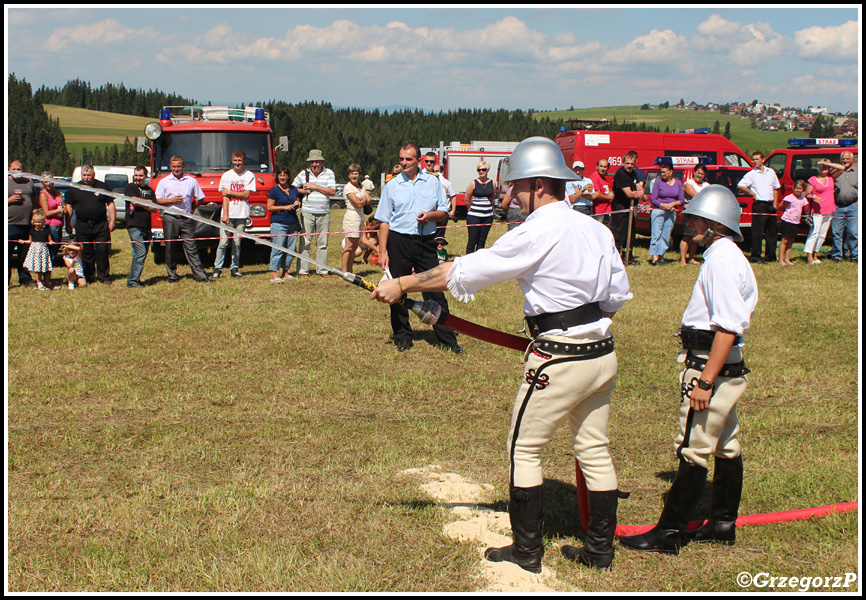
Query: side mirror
{"points": [[284, 144], [142, 145]]}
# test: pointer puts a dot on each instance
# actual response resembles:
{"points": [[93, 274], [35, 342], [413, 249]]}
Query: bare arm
{"points": [[434, 280]]}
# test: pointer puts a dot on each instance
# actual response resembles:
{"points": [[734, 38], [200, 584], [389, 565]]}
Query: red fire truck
{"points": [[800, 159], [591, 146], [460, 161], [206, 136]]}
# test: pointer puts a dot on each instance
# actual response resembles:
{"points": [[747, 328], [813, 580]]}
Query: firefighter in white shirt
{"points": [[573, 283], [712, 382]]}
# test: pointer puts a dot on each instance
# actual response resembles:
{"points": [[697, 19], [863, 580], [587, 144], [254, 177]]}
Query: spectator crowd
{"points": [[300, 211]]}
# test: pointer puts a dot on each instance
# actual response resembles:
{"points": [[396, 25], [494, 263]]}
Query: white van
{"points": [[117, 179]]}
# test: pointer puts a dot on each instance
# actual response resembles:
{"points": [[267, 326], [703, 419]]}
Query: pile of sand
{"points": [[488, 528]]}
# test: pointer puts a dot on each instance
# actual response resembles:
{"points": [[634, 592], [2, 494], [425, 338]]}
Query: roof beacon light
{"points": [[684, 161], [260, 118], [701, 130], [822, 142]]}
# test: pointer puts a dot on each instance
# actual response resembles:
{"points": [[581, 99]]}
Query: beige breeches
{"points": [[564, 388], [712, 431]]}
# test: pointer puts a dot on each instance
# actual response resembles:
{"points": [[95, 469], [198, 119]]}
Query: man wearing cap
{"points": [[579, 191], [316, 185], [412, 203], [573, 286], [720, 309]]}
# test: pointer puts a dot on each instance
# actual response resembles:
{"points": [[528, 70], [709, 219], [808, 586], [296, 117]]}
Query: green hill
{"points": [[89, 128]]}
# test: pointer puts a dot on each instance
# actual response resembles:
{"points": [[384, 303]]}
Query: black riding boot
{"points": [[526, 509], [668, 536], [597, 548], [727, 490]]}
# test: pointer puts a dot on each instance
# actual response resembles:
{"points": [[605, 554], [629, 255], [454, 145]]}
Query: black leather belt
{"points": [[696, 339], [699, 339], [585, 350], [588, 313], [737, 369]]}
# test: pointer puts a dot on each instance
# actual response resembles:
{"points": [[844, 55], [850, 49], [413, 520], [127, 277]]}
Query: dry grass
{"points": [[242, 436]]}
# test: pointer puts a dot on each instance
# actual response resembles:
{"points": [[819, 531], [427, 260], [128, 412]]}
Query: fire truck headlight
{"points": [[257, 210], [152, 130]]}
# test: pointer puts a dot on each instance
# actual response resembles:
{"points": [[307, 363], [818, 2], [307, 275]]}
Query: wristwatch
{"points": [[705, 385]]}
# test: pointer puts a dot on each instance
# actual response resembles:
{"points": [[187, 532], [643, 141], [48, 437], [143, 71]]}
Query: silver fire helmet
{"points": [[717, 203], [538, 157]]}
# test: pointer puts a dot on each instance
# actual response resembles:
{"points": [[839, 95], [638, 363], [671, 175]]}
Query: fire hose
{"points": [[431, 313]]}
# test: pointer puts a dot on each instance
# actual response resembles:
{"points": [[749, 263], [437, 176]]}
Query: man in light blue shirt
{"points": [[579, 191], [411, 205]]}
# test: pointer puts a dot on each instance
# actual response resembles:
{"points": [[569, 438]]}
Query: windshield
{"points": [[727, 178], [211, 151]]}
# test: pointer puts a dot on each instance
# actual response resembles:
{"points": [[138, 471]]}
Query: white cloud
{"points": [[744, 44], [828, 43], [656, 47], [105, 33]]}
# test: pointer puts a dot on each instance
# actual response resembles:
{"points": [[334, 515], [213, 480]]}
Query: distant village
{"points": [[773, 117]]}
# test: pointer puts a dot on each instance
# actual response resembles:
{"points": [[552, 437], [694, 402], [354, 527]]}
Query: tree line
{"points": [[110, 98], [32, 136]]}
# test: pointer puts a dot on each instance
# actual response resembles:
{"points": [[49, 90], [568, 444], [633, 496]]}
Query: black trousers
{"points": [[764, 228], [619, 228], [93, 255], [181, 228], [405, 254]]}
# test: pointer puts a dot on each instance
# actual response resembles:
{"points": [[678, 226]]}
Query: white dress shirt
{"points": [[560, 258], [725, 293]]}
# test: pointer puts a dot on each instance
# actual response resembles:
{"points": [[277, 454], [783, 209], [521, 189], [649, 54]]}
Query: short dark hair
{"points": [[631, 154], [282, 170], [140, 168], [758, 152], [701, 167], [412, 145]]}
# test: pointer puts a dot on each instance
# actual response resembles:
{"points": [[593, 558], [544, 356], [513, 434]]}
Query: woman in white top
{"points": [[353, 222], [688, 247]]}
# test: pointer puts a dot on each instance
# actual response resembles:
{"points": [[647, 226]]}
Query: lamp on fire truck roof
{"points": [[684, 161], [821, 142], [260, 118]]}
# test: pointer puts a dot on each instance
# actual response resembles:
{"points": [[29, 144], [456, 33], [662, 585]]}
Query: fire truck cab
{"points": [[206, 136], [460, 161], [800, 159], [728, 176]]}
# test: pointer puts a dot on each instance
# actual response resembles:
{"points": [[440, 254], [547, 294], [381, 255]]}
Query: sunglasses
{"points": [[483, 170]]}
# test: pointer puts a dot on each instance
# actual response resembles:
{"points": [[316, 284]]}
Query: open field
{"points": [[742, 134], [89, 128], [243, 436]]}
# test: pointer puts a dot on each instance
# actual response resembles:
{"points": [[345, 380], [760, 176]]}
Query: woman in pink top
{"points": [[820, 193], [793, 205], [52, 207]]}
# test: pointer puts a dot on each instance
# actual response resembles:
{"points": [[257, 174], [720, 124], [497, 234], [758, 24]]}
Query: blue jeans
{"points": [[140, 238], [236, 246], [56, 232], [281, 260], [661, 225], [845, 222]]}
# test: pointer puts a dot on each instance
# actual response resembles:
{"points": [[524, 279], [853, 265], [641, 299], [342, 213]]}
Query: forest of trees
{"points": [[33, 137], [109, 98]]}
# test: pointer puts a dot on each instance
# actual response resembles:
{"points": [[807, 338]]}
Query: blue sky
{"points": [[446, 58]]}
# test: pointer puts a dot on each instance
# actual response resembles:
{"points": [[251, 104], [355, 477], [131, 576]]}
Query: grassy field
{"points": [[742, 134], [243, 436], [89, 128]]}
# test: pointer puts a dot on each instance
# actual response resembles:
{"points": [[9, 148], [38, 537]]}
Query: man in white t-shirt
{"points": [[236, 185]]}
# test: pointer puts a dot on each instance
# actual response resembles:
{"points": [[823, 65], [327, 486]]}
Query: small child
{"points": [[793, 205], [72, 260], [38, 260], [441, 252]]}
